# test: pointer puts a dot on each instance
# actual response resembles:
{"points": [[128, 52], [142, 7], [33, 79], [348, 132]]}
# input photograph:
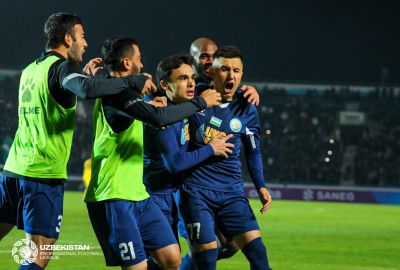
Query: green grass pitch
{"points": [[298, 235]]}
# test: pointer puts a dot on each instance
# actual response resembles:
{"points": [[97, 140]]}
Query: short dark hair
{"points": [[228, 52], [168, 64], [57, 26], [115, 49]]}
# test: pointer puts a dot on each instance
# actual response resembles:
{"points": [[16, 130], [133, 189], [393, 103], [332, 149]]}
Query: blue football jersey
{"points": [[239, 118], [166, 156]]}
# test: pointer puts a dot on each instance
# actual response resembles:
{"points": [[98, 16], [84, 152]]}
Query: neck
{"points": [[61, 50], [118, 74]]}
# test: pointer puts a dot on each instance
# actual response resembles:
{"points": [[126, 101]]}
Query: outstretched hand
{"points": [[251, 94], [92, 67]]}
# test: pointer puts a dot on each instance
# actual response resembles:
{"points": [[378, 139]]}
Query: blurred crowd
{"points": [[297, 133], [304, 143], [301, 138]]}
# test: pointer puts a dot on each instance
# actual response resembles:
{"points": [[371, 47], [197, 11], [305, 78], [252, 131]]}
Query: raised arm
{"points": [[87, 87], [132, 104]]}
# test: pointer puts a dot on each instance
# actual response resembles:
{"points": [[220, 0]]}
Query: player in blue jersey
{"points": [[202, 50], [165, 150], [212, 193]]}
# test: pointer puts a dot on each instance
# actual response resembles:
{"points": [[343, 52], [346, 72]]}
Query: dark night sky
{"points": [[328, 41]]}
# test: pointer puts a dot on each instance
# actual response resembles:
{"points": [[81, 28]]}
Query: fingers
{"points": [[149, 87], [228, 151], [208, 91], [98, 68], [96, 60], [153, 87], [90, 68], [229, 145], [254, 100], [245, 88], [227, 137], [161, 100], [148, 75], [265, 198], [158, 102], [219, 98], [251, 99], [265, 208]]}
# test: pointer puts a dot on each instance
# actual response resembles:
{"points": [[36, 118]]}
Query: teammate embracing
{"points": [[126, 221], [166, 150]]}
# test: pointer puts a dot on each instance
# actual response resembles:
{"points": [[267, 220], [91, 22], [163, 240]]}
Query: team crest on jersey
{"points": [[185, 136], [235, 125], [216, 121], [210, 133]]}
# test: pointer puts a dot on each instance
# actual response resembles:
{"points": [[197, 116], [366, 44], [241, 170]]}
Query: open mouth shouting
{"points": [[228, 88]]}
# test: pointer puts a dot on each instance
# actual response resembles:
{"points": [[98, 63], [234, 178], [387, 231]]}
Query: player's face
{"points": [[203, 60], [135, 61], [181, 85], [227, 75], [78, 44]]}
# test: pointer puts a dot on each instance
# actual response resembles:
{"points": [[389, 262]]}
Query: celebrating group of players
{"points": [[175, 152]]}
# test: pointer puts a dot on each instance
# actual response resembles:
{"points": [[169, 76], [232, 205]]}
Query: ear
{"points": [[68, 40], [125, 63], [164, 85]]}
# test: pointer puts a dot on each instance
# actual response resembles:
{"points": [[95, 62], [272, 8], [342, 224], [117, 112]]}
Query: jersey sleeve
{"points": [[176, 158], [86, 87], [132, 105], [251, 142]]}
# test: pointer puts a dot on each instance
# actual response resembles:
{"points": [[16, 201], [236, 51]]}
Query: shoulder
{"points": [[198, 115], [63, 66], [242, 103]]}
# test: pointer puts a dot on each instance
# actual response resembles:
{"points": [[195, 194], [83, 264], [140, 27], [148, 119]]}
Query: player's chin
{"points": [[228, 93]]}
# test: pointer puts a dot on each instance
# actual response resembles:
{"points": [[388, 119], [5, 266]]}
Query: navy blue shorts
{"points": [[204, 209], [127, 229], [166, 202], [36, 207], [181, 224]]}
